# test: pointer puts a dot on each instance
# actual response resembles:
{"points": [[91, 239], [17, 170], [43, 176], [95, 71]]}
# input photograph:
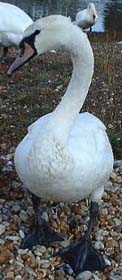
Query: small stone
{"points": [[68, 270], [113, 175], [119, 180], [65, 243], [45, 216], [117, 221], [42, 249], [31, 272], [2, 229], [2, 241], [108, 186], [96, 277], [99, 245], [18, 277], [99, 235], [10, 275], [59, 275], [43, 273], [5, 256], [12, 237], [21, 233], [107, 261], [117, 163], [120, 245], [37, 253], [16, 208], [116, 276], [23, 215], [86, 275], [22, 251]]}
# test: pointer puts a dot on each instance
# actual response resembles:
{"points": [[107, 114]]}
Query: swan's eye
{"points": [[94, 16]]}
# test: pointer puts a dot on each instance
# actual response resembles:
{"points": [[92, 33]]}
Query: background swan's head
{"points": [[43, 35], [92, 12]]}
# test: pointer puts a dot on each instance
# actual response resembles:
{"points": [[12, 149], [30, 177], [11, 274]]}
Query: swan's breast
{"points": [[65, 171]]}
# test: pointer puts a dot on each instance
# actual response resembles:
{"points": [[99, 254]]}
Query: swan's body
{"points": [[66, 156], [65, 169], [13, 22], [86, 18]]}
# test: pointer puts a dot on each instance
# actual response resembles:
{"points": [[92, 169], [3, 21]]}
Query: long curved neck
{"points": [[83, 64]]}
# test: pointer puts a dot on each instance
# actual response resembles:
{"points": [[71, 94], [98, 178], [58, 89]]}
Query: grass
{"points": [[37, 89]]}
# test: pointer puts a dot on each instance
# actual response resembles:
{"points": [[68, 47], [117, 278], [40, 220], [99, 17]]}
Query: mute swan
{"points": [[86, 18], [65, 156], [13, 22]]}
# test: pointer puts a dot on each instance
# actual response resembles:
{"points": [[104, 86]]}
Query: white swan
{"points": [[13, 22], [65, 156], [87, 18]]}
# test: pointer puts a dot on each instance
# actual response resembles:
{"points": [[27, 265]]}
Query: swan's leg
{"points": [[42, 234], [82, 255], [5, 51], [90, 29]]}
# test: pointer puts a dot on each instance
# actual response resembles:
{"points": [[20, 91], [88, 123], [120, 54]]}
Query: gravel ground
{"points": [[70, 220]]}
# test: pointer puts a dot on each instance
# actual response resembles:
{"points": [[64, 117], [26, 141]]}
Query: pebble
{"points": [[113, 175], [99, 245], [2, 229], [99, 235], [117, 221], [10, 275], [30, 271], [18, 277], [86, 275], [108, 186], [16, 208], [120, 245], [59, 275], [65, 243], [5, 256], [117, 163], [96, 277], [22, 251], [107, 260], [45, 216], [21, 233], [23, 215], [12, 237], [114, 276], [37, 253], [2, 241]]}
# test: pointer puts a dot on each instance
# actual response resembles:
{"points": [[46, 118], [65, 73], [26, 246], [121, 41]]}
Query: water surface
{"points": [[109, 11]]}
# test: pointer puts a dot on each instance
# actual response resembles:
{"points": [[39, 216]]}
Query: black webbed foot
{"points": [[42, 236], [83, 256]]}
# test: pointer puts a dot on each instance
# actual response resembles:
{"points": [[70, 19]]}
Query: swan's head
{"points": [[92, 12], [43, 35]]}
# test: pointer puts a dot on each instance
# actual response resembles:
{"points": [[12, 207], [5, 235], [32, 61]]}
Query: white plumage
{"points": [[87, 18], [13, 22], [65, 156]]}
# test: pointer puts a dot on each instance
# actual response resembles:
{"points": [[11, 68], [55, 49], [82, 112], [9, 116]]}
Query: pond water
{"points": [[109, 11]]}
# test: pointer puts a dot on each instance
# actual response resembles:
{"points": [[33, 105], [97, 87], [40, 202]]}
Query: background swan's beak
{"points": [[25, 55]]}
